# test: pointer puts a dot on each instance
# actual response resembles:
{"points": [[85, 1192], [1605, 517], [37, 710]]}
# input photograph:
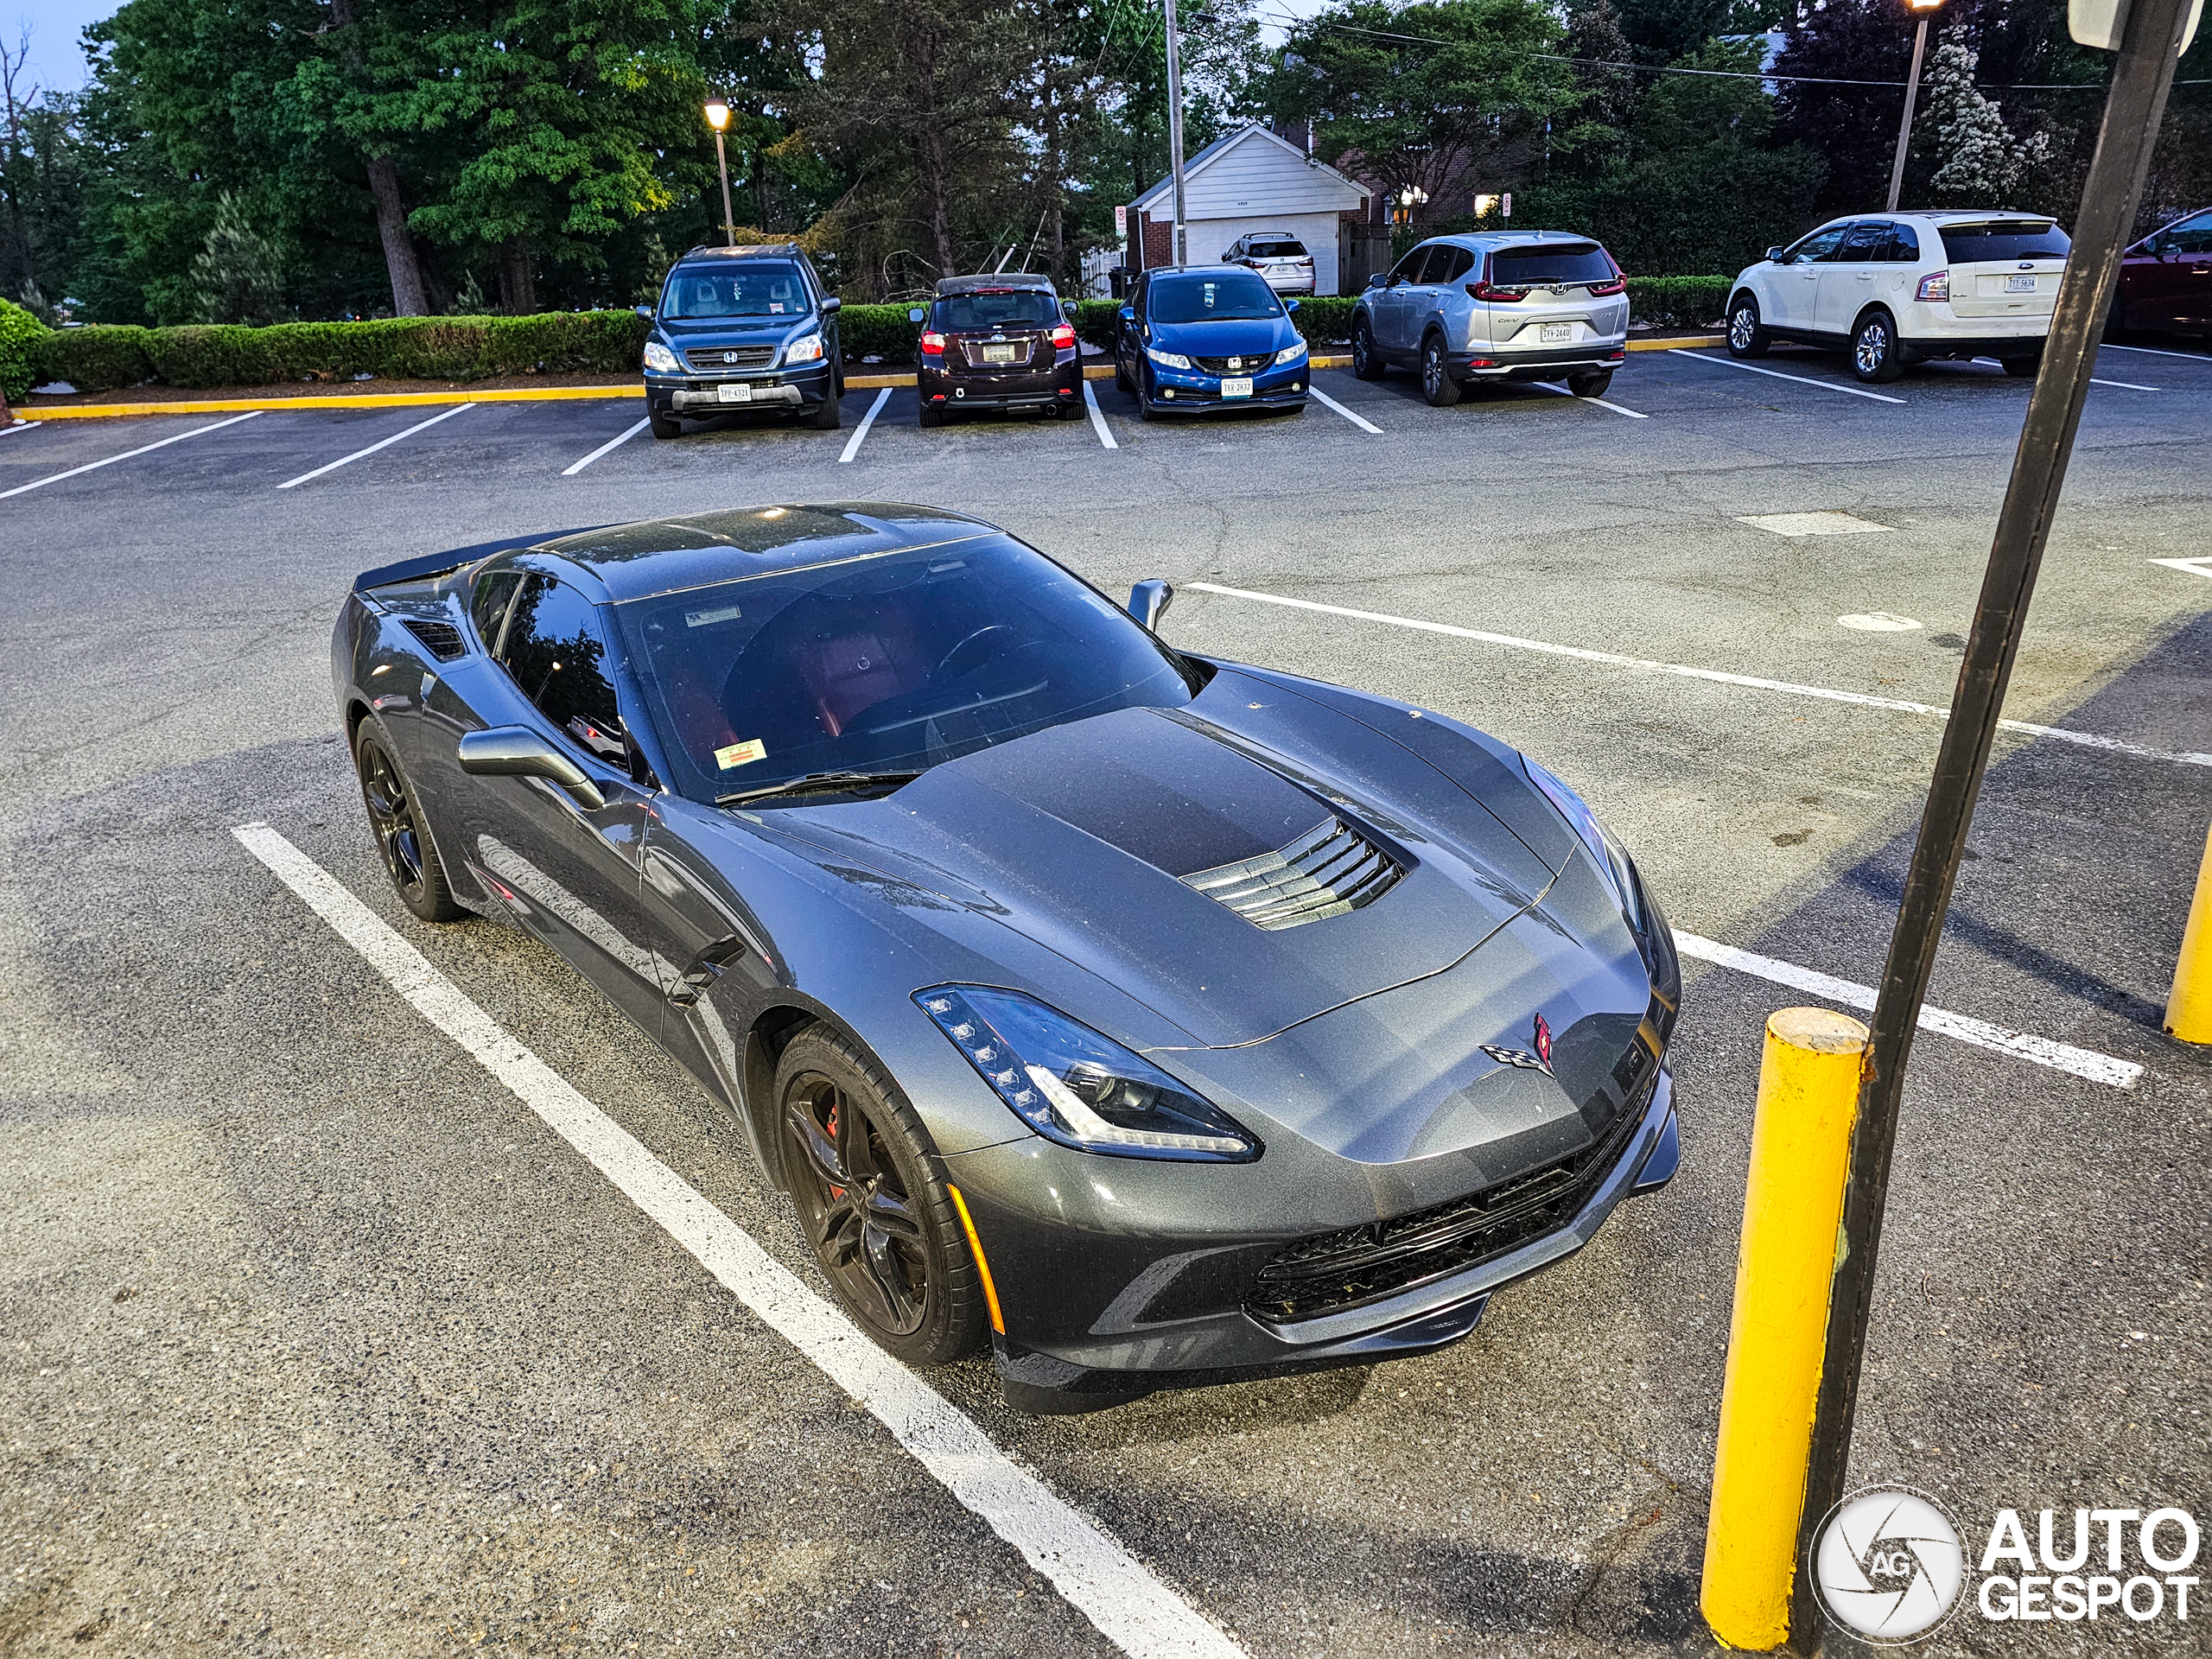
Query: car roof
{"points": [[1942, 216], [1000, 279], [1489, 241], [747, 250], [619, 562]]}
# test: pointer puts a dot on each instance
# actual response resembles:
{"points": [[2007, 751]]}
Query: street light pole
{"points": [[718, 117], [1911, 96], [1180, 252]]}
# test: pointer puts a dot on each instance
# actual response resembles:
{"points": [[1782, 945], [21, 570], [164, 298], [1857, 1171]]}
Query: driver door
{"points": [[1796, 284], [1394, 308]]}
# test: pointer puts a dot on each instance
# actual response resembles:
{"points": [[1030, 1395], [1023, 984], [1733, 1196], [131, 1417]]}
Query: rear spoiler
{"points": [[439, 564]]}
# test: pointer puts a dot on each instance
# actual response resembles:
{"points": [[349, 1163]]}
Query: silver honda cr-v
{"points": [[1533, 305]]}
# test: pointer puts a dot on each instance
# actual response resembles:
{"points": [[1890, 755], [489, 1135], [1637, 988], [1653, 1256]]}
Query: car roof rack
{"points": [[711, 250]]}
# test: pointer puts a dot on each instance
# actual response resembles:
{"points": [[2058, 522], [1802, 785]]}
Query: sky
{"points": [[57, 59]]}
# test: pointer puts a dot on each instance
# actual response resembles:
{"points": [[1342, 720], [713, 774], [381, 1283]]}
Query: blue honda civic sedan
{"points": [[1204, 337]]}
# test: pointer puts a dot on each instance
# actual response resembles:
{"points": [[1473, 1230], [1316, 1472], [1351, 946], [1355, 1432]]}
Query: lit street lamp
{"points": [[718, 119], [1924, 8]]}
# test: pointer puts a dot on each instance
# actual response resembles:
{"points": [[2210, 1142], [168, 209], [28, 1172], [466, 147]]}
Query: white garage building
{"points": [[1248, 180]]}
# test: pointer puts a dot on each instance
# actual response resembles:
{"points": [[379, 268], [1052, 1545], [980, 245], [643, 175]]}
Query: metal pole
{"points": [[2133, 108], [1905, 127], [729, 218], [1180, 250]]}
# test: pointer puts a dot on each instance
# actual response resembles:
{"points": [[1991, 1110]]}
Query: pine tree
{"points": [[238, 272]]}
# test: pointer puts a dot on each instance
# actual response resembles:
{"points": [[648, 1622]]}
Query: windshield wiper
{"points": [[813, 782]]}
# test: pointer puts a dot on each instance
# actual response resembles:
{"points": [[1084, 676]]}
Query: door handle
{"points": [[706, 967]]}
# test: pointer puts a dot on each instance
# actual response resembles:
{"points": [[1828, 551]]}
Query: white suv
{"points": [[1276, 255], [1893, 289]]}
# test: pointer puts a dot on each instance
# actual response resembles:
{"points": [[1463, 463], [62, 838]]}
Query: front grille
{"points": [[441, 639], [1234, 365], [1330, 1272], [1331, 870], [714, 360]]}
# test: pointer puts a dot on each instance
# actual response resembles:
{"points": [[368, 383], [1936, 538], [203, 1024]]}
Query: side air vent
{"points": [[441, 639], [1331, 870]]}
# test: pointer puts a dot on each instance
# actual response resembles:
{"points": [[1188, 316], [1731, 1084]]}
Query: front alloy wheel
{"points": [[1366, 364], [1874, 349]]}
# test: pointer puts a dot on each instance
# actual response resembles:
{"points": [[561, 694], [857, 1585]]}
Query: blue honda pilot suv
{"points": [[742, 327]]}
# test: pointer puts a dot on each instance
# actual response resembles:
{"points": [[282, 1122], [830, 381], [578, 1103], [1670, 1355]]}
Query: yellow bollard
{"points": [[1793, 1213], [2189, 1009]]}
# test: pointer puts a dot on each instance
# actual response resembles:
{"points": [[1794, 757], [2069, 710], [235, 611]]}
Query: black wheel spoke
{"points": [[891, 1212], [867, 1231], [885, 1266], [820, 1151]]}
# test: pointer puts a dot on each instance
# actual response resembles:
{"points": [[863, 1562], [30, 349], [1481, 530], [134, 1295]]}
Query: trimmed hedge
{"points": [[99, 358], [20, 334], [1678, 301]]}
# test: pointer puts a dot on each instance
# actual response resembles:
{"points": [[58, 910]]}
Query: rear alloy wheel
{"points": [[1590, 385], [1746, 337], [871, 1196], [1874, 349], [1366, 361], [409, 857], [1437, 384], [664, 426]]}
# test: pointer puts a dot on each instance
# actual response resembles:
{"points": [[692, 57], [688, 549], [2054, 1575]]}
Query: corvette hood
{"points": [[1083, 837]]}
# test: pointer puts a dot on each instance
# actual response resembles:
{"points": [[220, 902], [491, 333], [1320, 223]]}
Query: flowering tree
{"points": [[1981, 163]]}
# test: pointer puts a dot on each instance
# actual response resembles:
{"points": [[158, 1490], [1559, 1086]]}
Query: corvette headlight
{"points": [[807, 348], [659, 358], [1290, 354], [1076, 1087], [1605, 850], [1167, 359]]}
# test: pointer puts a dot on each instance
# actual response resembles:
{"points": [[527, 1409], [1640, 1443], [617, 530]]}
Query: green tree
{"points": [[238, 272]]}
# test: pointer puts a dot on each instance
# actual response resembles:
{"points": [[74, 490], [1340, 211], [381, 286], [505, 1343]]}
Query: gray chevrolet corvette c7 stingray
{"points": [[1157, 1020]]}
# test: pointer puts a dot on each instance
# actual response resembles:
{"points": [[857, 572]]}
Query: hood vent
{"points": [[1331, 870], [441, 639]]}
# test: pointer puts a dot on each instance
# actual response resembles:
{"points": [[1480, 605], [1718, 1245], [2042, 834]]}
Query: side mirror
{"points": [[644, 311], [832, 306], [1290, 305], [1128, 314], [1774, 255], [1378, 280], [1149, 602], [516, 751], [915, 313]]}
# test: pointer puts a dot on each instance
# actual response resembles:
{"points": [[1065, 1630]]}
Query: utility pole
{"points": [[2149, 40], [1926, 8], [1180, 252]]}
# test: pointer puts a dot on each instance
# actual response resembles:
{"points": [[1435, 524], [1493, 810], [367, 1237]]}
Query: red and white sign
{"points": [[1121, 223]]}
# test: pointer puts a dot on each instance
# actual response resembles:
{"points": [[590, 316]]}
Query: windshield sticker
{"points": [[708, 619], [740, 755], [775, 305]]}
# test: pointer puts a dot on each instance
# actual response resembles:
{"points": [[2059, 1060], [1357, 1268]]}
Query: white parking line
{"points": [[859, 432], [1359, 421], [2200, 566], [16, 426], [2124, 385], [1097, 417], [1802, 380], [384, 443], [1138, 1613], [1597, 403], [2060, 1057], [94, 466], [2088, 740], [2152, 350], [615, 442]]}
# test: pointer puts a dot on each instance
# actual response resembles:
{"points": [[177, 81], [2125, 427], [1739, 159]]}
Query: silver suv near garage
{"points": [[1531, 305]]}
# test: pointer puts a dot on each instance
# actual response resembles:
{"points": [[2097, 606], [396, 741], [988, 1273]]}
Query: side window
{"points": [[1818, 245], [1408, 269], [556, 650], [1864, 242], [1462, 262], [487, 605], [2191, 235], [1904, 245]]}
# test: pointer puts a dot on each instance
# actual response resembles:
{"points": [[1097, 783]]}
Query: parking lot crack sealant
{"points": [[1130, 1606]]}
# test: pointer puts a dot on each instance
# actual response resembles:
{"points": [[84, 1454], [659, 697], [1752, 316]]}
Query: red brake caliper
{"points": [[834, 1192]]}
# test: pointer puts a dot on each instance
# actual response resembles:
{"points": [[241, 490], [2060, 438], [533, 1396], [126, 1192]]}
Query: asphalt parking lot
{"points": [[319, 1340]]}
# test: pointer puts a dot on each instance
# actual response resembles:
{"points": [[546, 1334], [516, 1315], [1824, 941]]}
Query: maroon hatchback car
{"points": [[996, 342], [2166, 280]]}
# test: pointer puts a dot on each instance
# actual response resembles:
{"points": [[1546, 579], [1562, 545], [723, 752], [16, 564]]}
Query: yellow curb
{"points": [[351, 400], [1683, 339]]}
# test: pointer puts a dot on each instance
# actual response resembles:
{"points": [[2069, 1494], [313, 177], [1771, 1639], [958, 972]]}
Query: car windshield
{"points": [[996, 308], [1967, 244], [1278, 249], [759, 288], [1231, 296], [889, 663], [1570, 262]]}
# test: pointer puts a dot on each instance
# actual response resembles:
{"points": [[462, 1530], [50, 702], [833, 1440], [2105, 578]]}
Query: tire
{"points": [[410, 858], [1121, 381], [2023, 368], [664, 426], [1874, 355], [1366, 362], [1437, 384], [1145, 410], [1590, 385], [1746, 337], [828, 415], [926, 415], [2116, 323], [870, 1192]]}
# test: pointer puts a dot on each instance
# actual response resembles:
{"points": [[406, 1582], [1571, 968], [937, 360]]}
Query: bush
{"points": [[880, 331], [1324, 319], [97, 359], [1677, 301], [19, 335]]}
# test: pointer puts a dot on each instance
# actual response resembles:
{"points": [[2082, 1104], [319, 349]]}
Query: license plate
{"points": [[998, 354], [1238, 388], [733, 394], [1558, 334], [2019, 284]]}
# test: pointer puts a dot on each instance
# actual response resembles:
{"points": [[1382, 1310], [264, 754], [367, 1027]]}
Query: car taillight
{"points": [[933, 345], [1064, 336], [1618, 285], [1496, 295], [1937, 285]]}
